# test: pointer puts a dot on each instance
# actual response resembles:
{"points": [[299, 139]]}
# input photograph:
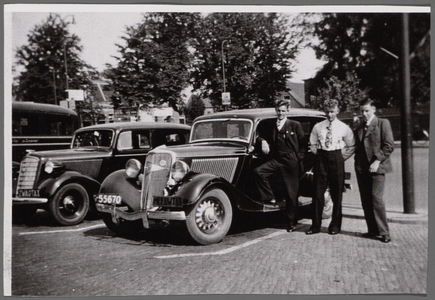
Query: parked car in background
{"points": [[64, 181], [203, 182], [40, 127]]}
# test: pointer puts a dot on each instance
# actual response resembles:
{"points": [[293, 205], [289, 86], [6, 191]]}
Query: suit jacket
{"points": [[294, 136], [378, 143]]}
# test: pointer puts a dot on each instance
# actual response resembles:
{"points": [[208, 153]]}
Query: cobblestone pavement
{"points": [[319, 264], [261, 260]]}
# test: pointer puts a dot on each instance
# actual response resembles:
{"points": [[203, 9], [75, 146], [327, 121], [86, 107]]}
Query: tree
{"points": [[255, 52], [367, 44], [196, 108], [43, 58], [154, 65], [347, 92]]}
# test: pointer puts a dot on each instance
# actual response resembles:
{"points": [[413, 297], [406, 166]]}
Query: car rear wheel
{"points": [[209, 219], [70, 204]]}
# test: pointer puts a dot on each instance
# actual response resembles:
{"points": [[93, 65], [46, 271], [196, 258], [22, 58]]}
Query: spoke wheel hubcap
{"points": [[209, 215]]}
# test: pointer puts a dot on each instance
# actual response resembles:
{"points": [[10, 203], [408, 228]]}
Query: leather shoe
{"points": [[386, 239], [369, 234], [333, 232], [291, 228], [311, 231]]}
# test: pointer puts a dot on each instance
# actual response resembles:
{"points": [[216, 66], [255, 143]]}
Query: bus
{"points": [[38, 127]]}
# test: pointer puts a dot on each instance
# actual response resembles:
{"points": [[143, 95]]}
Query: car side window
{"points": [[143, 140], [125, 141], [168, 138]]}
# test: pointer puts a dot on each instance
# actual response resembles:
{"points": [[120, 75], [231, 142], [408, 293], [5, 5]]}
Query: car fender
{"points": [[49, 187], [120, 184], [197, 184]]}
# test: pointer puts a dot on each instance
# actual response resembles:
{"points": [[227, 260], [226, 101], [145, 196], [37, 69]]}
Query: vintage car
{"points": [[203, 182], [64, 181]]}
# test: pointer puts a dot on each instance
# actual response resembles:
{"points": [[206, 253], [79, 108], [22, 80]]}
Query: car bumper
{"points": [[118, 213], [20, 201]]}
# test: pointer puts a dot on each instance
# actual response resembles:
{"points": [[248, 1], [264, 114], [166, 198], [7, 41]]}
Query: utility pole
{"points": [[406, 125]]}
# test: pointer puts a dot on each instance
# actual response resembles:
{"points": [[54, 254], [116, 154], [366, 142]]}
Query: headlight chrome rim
{"points": [[133, 168], [179, 170], [50, 166]]}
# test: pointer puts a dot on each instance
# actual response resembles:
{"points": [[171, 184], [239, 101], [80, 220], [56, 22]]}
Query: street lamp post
{"points": [[223, 63], [64, 52]]}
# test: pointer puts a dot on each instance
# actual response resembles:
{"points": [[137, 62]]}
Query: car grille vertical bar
{"points": [[222, 167], [28, 173], [157, 168]]}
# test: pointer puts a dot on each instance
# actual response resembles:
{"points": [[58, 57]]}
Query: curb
{"points": [[392, 216]]}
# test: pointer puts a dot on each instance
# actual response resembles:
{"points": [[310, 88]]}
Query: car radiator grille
{"points": [[222, 167], [28, 173], [157, 168]]}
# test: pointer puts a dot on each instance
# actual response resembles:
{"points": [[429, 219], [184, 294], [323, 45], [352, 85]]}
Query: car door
{"points": [[131, 144]]}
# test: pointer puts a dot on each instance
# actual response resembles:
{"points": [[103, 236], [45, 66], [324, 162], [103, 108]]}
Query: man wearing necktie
{"points": [[285, 140], [332, 142], [374, 145]]}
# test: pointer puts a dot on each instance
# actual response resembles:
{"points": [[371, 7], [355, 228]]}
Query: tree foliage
{"points": [[43, 59], [153, 66], [253, 50], [346, 92], [197, 108], [167, 52], [359, 42]]}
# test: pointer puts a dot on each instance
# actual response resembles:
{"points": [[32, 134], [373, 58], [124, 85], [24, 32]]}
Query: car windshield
{"points": [[221, 129], [93, 138]]}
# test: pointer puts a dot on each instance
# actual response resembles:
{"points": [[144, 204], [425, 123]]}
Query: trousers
{"points": [[328, 171], [288, 170]]}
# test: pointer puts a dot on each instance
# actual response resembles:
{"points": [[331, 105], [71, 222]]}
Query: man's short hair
{"points": [[282, 103], [331, 103], [367, 101]]}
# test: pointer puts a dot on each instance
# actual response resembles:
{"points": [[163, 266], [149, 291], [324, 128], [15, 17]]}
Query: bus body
{"points": [[38, 127]]}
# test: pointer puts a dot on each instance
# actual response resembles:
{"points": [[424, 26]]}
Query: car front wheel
{"points": [[209, 219], [70, 204]]}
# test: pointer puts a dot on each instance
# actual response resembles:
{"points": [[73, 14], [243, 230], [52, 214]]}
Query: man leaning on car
{"points": [[284, 141]]}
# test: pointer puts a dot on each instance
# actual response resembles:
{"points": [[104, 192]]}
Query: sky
{"points": [[101, 31]]}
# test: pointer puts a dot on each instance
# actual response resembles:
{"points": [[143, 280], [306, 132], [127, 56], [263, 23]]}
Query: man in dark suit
{"points": [[374, 145], [284, 142]]}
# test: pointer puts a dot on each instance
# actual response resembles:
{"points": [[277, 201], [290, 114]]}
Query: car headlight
{"points": [[132, 168], [179, 169], [50, 166]]}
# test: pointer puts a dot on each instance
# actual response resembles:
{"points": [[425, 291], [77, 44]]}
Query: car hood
{"points": [[207, 149], [69, 154]]}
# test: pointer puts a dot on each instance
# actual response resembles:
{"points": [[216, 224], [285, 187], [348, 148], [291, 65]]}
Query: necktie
{"points": [[366, 126], [328, 140]]}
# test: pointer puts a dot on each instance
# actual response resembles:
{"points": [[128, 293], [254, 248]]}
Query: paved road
{"points": [[259, 257]]}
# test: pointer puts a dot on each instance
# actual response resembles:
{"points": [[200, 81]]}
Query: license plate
{"points": [[107, 198], [28, 193], [168, 201]]}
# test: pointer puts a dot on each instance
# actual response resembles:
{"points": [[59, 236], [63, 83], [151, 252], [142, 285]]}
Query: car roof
{"points": [[262, 113], [136, 125]]}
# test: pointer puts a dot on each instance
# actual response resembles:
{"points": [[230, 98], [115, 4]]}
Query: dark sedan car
{"points": [[64, 181], [203, 182]]}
